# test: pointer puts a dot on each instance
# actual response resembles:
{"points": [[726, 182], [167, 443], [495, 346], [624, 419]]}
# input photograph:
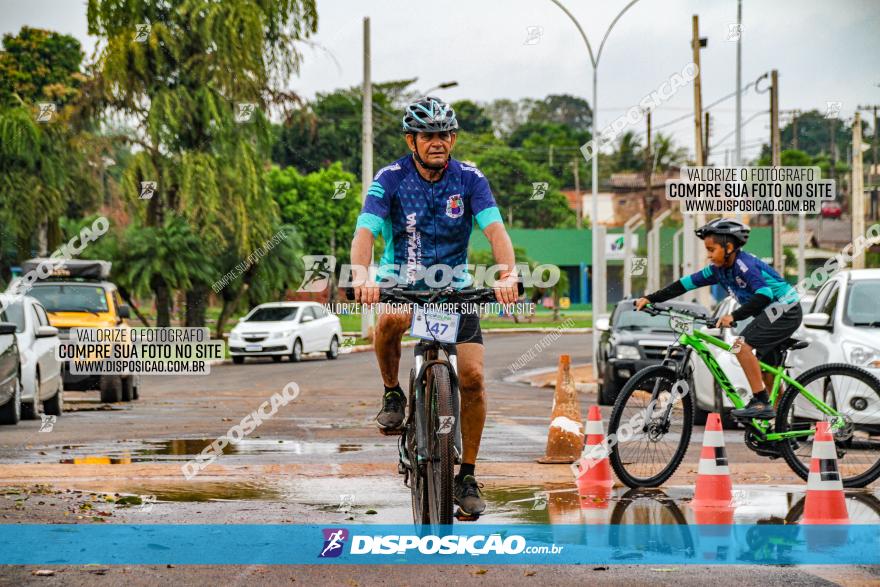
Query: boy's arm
{"points": [[761, 298], [699, 279]]}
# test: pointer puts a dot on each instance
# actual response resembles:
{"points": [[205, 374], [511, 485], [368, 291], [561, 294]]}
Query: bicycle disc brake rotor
{"points": [[846, 431]]}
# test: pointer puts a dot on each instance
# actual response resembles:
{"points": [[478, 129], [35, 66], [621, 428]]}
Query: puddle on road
{"points": [[752, 505], [197, 491], [127, 452], [388, 501]]}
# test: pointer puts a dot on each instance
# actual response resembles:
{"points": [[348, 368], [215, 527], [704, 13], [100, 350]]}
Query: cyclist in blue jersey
{"points": [[761, 292], [425, 206]]}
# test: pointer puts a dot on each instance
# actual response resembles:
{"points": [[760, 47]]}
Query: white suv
{"points": [[843, 326]]}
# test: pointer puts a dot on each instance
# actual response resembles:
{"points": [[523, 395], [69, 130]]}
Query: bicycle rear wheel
{"points": [[650, 447], [441, 446], [855, 394]]}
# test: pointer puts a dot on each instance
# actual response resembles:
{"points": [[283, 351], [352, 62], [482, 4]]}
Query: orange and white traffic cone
{"points": [[825, 502], [593, 469], [714, 488], [564, 440]]}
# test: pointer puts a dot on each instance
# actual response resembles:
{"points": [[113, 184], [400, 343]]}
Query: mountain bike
{"points": [[430, 439], [652, 418]]}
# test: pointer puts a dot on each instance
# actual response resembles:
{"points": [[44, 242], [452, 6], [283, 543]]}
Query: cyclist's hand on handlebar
{"points": [[367, 292], [725, 321], [506, 289], [641, 303]]}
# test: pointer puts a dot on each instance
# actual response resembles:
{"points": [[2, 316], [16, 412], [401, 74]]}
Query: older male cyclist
{"points": [[425, 205]]}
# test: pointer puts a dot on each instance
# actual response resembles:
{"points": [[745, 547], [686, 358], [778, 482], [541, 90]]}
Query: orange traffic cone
{"points": [[825, 503], [564, 440], [593, 469], [715, 531], [713, 476]]}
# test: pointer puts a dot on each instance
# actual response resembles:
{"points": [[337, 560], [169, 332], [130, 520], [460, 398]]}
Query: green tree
{"points": [[472, 118], [47, 162], [198, 88], [329, 129], [512, 180], [570, 111]]}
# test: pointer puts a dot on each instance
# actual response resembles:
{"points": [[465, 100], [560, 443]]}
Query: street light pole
{"points": [[598, 285]]}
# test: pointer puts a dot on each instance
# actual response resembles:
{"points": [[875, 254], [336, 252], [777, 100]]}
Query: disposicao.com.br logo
{"points": [[431, 544]]}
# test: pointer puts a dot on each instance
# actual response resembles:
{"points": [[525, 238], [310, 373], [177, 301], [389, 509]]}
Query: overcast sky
{"points": [[824, 51]]}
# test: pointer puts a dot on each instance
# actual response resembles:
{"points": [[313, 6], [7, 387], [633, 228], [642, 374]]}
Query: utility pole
{"points": [[794, 132], [648, 197], [691, 243], [577, 191], [706, 139], [857, 198], [367, 155], [778, 257], [738, 155]]}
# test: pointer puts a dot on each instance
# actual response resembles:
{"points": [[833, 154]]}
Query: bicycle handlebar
{"points": [[398, 294], [661, 310]]}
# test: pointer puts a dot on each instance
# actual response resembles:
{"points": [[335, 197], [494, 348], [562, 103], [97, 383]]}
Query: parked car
{"points": [[10, 373], [831, 209], [282, 329], [629, 341], [41, 384], [78, 294], [843, 326], [708, 396]]}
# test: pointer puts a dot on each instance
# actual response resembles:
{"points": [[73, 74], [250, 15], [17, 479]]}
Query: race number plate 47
{"points": [[434, 325]]}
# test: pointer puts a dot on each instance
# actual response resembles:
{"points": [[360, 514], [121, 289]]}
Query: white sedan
{"points": [[41, 383], [282, 329]]}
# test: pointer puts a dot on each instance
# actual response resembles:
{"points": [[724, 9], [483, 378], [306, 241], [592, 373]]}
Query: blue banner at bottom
{"points": [[196, 544]]}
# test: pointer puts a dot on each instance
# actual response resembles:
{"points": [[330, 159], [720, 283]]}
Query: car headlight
{"points": [[861, 354], [627, 352], [234, 335], [283, 334]]}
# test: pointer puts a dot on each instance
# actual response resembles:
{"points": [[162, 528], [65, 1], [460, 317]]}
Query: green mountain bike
{"points": [[653, 416]]}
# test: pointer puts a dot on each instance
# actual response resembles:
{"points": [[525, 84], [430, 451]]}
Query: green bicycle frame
{"points": [[697, 341]]}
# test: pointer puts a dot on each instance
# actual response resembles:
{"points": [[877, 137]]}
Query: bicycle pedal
{"points": [[463, 517], [391, 431]]}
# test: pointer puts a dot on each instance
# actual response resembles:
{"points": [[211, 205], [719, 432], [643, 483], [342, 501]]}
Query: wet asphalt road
{"points": [[297, 467]]}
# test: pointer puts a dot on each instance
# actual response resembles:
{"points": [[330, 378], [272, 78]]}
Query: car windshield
{"points": [[15, 314], [66, 297], [273, 315], [861, 304], [632, 320]]}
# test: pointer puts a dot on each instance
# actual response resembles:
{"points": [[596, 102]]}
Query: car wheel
{"points": [[333, 352], [10, 412], [238, 360], [111, 389], [31, 410], [296, 355], [54, 406], [276, 358], [127, 389], [608, 390]]}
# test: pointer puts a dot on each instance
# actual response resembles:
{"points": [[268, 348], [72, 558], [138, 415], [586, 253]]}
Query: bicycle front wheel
{"points": [[441, 445], [855, 394], [650, 440]]}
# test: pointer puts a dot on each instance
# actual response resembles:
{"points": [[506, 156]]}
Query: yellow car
{"points": [[77, 294]]}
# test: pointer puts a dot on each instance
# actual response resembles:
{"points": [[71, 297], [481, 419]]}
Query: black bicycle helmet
{"points": [[429, 114], [726, 226]]}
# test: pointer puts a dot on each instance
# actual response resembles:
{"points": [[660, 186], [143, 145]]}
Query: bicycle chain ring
{"points": [[763, 448]]}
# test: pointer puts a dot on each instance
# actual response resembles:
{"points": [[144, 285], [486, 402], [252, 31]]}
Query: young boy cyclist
{"points": [[756, 287]]}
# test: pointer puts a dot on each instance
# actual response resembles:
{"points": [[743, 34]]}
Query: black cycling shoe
{"points": [[467, 495], [390, 417], [755, 409]]}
